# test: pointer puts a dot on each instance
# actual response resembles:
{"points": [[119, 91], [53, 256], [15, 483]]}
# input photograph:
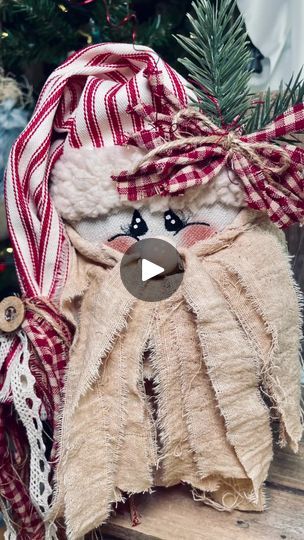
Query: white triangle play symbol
{"points": [[149, 269]]}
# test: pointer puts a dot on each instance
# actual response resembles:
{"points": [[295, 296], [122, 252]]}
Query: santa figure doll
{"points": [[189, 387]]}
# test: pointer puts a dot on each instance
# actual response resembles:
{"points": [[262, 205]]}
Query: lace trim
{"points": [[28, 405]]}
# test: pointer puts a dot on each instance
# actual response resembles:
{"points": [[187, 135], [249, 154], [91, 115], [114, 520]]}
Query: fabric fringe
{"points": [[209, 348]]}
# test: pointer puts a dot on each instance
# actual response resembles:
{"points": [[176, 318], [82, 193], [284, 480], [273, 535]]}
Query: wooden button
{"points": [[11, 313]]}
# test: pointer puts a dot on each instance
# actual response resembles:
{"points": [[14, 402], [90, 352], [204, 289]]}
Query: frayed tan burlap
{"points": [[223, 357]]}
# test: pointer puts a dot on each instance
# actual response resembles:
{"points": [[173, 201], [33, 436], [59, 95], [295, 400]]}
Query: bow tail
{"points": [[290, 177], [282, 202], [199, 172], [146, 185], [289, 122]]}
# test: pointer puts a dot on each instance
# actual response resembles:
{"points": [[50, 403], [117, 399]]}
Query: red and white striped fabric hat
{"points": [[87, 104]]}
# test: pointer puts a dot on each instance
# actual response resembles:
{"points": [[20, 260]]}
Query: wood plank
{"points": [[287, 469], [172, 514]]}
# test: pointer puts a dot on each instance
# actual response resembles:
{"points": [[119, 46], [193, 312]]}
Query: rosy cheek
{"points": [[194, 233], [122, 243]]}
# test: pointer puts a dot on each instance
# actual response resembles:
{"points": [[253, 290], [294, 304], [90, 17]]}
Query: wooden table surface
{"points": [[172, 514]]}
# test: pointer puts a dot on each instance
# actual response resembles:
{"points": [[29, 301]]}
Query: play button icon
{"points": [[151, 269]]}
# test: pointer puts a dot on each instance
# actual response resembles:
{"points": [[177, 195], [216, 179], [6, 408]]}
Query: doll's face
{"points": [[182, 228], [86, 197]]}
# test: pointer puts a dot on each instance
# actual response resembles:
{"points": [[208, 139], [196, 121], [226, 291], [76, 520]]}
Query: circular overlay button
{"points": [[151, 270], [12, 313]]}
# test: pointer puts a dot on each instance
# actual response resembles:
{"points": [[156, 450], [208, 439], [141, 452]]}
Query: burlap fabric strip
{"points": [[223, 358]]}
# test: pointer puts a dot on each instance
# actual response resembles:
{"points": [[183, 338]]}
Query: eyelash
{"points": [[137, 225]]}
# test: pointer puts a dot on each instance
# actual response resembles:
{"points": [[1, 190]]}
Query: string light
{"points": [[9, 250], [4, 35], [63, 8], [87, 36]]}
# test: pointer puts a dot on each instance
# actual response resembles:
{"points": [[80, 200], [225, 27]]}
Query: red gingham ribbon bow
{"points": [[195, 151]]}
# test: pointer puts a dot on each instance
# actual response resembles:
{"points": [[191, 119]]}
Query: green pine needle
{"points": [[218, 60], [265, 110]]}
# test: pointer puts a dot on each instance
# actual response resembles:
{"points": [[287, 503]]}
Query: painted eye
{"points": [[138, 225], [172, 222]]}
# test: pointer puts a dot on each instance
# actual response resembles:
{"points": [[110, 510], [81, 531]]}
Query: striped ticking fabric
{"points": [[88, 101]]}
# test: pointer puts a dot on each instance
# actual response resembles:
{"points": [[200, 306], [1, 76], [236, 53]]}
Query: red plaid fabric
{"points": [[50, 336], [14, 478], [172, 171]]}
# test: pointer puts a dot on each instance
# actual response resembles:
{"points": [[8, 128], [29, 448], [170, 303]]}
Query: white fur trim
{"points": [[82, 187]]}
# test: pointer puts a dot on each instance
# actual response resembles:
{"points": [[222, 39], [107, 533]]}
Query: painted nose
{"points": [[166, 239], [158, 251]]}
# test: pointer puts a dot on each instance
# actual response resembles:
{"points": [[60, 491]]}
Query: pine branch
{"points": [[266, 109], [218, 60]]}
